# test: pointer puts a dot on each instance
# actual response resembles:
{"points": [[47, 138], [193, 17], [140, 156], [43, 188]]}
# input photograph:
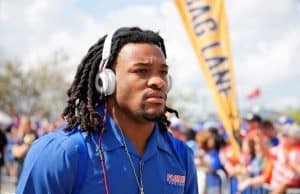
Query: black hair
{"points": [[83, 97], [217, 137], [190, 134], [266, 124]]}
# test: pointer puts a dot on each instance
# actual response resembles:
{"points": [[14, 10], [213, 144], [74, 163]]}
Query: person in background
{"points": [[3, 142], [177, 129], [265, 138], [26, 136], [254, 124], [269, 133], [211, 159], [190, 136], [11, 133]]}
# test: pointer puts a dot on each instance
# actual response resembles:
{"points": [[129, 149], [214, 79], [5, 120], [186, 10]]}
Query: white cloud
{"points": [[264, 38], [263, 35], [283, 102], [272, 62], [265, 46], [36, 29]]}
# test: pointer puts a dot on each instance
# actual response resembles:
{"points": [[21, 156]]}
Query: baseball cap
{"points": [[284, 120]]}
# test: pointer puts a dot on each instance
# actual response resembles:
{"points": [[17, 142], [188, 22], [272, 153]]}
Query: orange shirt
{"points": [[279, 170], [229, 155]]}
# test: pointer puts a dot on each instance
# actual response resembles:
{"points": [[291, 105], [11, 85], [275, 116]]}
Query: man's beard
{"points": [[151, 116]]}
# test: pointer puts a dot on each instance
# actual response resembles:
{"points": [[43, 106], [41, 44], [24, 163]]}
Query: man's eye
{"points": [[141, 71], [164, 72]]}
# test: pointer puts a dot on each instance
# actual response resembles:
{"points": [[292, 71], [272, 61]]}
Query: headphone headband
{"points": [[106, 51], [105, 81]]}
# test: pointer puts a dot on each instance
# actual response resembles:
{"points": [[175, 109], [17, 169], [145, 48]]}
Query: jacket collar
{"points": [[112, 139]]}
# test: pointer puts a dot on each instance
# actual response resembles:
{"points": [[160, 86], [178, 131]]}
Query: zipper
{"points": [[141, 176]]}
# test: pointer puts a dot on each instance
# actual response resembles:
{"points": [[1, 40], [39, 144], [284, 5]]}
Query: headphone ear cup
{"points": [[169, 82], [111, 82], [106, 82], [99, 84]]}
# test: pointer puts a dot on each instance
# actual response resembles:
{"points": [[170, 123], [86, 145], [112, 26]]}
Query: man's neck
{"points": [[137, 131]]}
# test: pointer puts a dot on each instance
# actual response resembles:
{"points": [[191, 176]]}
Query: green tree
{"points": [[37, 90]]}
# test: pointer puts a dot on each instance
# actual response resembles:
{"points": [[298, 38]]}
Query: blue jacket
{"points": [[54, 171]]}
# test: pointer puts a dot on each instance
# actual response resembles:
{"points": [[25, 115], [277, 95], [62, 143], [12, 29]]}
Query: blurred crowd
{"points": [[269, 154], [17, 133], [269, 149]]}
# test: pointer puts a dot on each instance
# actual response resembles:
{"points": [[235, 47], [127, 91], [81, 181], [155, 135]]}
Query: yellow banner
{"points": [[206, 24]]}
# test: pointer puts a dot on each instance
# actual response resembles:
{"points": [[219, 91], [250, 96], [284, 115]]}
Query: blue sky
{"points": [[264, 40], [94, 7]]}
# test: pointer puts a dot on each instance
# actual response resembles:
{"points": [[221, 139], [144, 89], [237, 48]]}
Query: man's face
{"points": [[141, 77], [252, 125]]}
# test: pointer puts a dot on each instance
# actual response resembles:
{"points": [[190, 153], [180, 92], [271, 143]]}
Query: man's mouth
{"points": [[155, 98]]}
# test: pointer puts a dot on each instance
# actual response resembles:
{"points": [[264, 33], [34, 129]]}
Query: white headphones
{"points": [[105, 81]]}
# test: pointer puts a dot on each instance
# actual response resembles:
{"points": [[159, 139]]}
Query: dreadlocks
{"points": [[83, 97]]}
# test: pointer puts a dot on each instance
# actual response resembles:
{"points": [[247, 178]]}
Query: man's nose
{"points": [[157, 82]]}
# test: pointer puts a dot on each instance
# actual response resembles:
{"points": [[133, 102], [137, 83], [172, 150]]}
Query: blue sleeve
{"points": [[216, 163], [191, 185], [49, 170]]}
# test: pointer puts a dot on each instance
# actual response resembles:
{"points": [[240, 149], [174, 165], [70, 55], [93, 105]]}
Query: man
{"points": [[253, 122], [247, 146], [118, 103], [269, 133]]}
